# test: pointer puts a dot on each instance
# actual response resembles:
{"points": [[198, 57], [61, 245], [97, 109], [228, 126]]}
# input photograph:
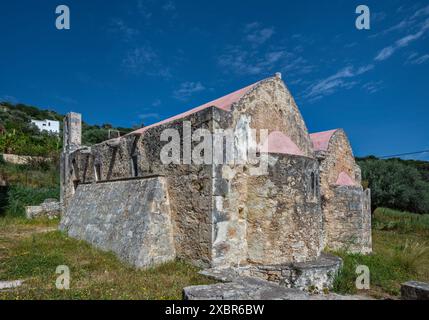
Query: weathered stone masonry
{"points": [[119, 196]]}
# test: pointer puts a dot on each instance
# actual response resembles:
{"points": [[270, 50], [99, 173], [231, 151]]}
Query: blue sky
{"points": [[127, 62]]}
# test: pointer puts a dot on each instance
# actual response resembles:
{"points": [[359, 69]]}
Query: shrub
{"points": [[20, 196], [395, 184]]}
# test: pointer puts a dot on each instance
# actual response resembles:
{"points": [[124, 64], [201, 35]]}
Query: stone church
{"points": [[121, 196]]}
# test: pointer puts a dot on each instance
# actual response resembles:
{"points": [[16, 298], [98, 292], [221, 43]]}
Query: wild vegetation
{"points": [[397, 184], [400, 253], [32, 183], [19, 136], [27, 185]]}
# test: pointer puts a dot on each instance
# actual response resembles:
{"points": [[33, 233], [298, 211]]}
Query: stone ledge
{"points": [[415, 290], [315, 275], [247, 288]]}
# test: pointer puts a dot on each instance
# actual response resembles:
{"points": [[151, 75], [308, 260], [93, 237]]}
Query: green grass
{"points": [[33, 252], [403, 222], [32, 249], [400, 253]]}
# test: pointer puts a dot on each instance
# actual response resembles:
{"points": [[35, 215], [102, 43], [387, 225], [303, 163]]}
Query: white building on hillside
{"points": [[47, 125]]}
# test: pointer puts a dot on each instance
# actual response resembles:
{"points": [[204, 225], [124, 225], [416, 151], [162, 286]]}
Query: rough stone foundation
{"points": [[130, 218]]}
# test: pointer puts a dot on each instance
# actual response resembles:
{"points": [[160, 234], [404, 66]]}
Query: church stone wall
{"points": [[347, 221], [271, 106], [284, 218], [352, 230], [189, 186], [130, 218]]}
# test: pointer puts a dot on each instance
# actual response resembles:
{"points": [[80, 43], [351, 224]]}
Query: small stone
{"points": [[415, 290]]}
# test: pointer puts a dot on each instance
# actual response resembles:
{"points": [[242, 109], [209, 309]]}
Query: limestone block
{"points": [[50, 208]]}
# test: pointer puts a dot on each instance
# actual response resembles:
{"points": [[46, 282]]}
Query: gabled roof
{"points": [[223, 103], [321, 139]]}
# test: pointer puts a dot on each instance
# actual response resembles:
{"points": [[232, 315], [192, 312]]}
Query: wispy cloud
{"points": [[388, 51], [169, 6], [125, 32], [342, 79], [256, 35], [145, 13], [144, 60], [373, 86], [244, 62], [415, 58], [187, 89]]}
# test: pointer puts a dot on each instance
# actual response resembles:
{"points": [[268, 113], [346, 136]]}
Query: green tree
{"points": [[396, 185]]}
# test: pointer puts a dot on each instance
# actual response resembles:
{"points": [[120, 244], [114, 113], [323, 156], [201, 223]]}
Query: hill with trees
{"points": [[19, 136]]}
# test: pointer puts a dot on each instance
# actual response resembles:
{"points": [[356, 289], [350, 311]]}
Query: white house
{"points": [[47, 125]]}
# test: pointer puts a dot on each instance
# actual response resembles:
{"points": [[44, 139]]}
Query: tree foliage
{"points": [[396, 184]]}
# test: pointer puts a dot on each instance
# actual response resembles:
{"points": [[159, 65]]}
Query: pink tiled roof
{"points": [[278, 142], [321, 140], [344, 180], [223, 103]]}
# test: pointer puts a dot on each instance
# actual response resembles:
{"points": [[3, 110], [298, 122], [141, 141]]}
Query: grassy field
{"points": [[31, 251], [400, 253]]}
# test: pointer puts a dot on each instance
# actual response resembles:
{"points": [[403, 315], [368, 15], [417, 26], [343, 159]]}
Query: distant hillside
{"points": [[19, 136]]}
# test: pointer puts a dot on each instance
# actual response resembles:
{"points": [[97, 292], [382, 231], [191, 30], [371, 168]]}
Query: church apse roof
{"points": [[278, 142], [321, 139]]}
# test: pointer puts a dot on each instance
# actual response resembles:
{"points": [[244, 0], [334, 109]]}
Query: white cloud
{"points": [[144, 60], [342, 79], [373, 86], [187, 89], [143, 11], [385, 53], [127, 33], [169, 6], [257, 35], [414, 59], [257, 62], [402, 42], [421, 12], [260, 36]]}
